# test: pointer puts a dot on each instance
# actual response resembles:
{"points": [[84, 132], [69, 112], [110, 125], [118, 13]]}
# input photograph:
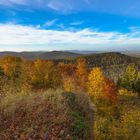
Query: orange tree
{"points": [[100, 87], [68, 76], [110, 90], [81, 74]]}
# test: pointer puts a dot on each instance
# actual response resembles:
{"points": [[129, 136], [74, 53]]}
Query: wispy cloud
{"points": [[76, 23], [62, 6], [119, 7], [11, 34], [22, 2], [57, 5], [13, 3], [50, 22]]}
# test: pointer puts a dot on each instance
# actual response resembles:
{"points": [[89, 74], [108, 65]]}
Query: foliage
{"points": [[137, 84], [1, 72], [130, 123], [81, 74], [11, 66], [110, 90], [67, 72], [69, 84], [45, 74], [119, 122], [96, 82], [130, 79], [125, 92], [101, 87]]}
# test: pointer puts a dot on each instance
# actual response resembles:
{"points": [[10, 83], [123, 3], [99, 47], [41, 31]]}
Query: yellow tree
{"points": [[39, 73], [11, 65], [69, 84], [46, 74], [27, 74], [12, 73], [95, 84]]}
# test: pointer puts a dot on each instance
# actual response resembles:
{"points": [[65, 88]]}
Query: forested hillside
{"points": [[105, 59], [113, 63], [108, 59]]}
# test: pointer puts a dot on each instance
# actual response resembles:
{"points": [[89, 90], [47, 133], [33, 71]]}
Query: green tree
{"points": [[129, 79], [1, 72], [137, 84]]}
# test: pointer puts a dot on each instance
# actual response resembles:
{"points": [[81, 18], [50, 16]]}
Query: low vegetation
{"points": [[53, 114]]}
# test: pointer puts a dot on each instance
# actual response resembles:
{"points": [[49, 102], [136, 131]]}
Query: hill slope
{"points": [[108, 59]]}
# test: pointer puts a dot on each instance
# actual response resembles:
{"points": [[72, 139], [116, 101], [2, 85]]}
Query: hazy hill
{"points": [[42, 55], [133, 53], [98, 57], [85, 52]]}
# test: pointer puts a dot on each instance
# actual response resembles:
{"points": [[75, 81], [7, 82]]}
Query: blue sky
{"points": [[109, 25]]}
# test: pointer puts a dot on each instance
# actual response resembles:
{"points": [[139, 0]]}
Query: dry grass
{"points": [[43, 115]]}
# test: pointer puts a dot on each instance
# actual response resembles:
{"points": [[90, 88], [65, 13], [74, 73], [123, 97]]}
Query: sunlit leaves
{"points": [[81, 74], [96, 81], [110, 90], [130, 79]]}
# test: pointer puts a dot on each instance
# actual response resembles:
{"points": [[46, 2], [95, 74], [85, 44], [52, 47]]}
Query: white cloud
{"points": [[11, 34]]}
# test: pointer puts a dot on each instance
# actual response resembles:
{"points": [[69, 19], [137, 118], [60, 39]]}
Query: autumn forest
{"points": [[70, 99]]}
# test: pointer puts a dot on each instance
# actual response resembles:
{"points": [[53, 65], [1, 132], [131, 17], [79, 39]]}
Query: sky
{"points": [[46, 25]]}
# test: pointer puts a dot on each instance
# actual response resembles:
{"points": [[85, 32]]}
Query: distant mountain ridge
{"points": [[97, 57], [93, 57], [42, 55]]}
